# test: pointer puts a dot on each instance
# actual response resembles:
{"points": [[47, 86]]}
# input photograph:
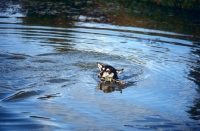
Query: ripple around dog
{"points": [[69, 67]]}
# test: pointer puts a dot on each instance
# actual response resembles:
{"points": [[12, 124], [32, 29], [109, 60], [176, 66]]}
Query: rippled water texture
{"points": [[48, 78]]}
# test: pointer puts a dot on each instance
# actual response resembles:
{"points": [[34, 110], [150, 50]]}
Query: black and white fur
{"points": [[108, 71]]}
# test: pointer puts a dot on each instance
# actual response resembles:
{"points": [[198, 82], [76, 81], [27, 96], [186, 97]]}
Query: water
{"points": [[48, 77]]}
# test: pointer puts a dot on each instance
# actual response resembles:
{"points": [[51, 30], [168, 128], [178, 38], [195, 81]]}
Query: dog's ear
{"points": [[99, 66], [119, 71]]}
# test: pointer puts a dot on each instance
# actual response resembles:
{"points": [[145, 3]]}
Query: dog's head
{"points": [[108, 72]]}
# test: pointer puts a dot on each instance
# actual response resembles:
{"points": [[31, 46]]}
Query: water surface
{"points": [[48, 77]]}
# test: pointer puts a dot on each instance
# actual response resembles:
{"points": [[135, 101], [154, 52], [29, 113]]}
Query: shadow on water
{"points": [[48, 70]]}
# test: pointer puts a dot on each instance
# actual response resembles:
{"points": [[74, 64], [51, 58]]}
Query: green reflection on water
{"points": [[130, 13]]}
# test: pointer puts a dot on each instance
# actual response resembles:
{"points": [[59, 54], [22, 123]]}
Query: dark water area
{"points": [[48, 74]]}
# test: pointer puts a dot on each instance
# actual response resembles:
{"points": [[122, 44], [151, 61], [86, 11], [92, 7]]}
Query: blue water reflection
{"points": [[48, 78]]}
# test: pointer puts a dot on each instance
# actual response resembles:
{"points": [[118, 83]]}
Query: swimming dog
{"points": [[109, 74]]}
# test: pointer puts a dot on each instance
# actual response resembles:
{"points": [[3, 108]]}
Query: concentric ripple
{"points": [[48, 77]]}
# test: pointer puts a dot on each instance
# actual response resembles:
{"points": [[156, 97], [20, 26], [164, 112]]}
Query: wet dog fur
{"points": [[108, 71]]}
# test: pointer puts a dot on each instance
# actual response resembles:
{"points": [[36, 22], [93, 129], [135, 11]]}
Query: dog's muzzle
{"points": [[100, 75]]}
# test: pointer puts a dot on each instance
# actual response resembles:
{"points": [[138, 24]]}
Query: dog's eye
{"points": [[102, 69]]}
